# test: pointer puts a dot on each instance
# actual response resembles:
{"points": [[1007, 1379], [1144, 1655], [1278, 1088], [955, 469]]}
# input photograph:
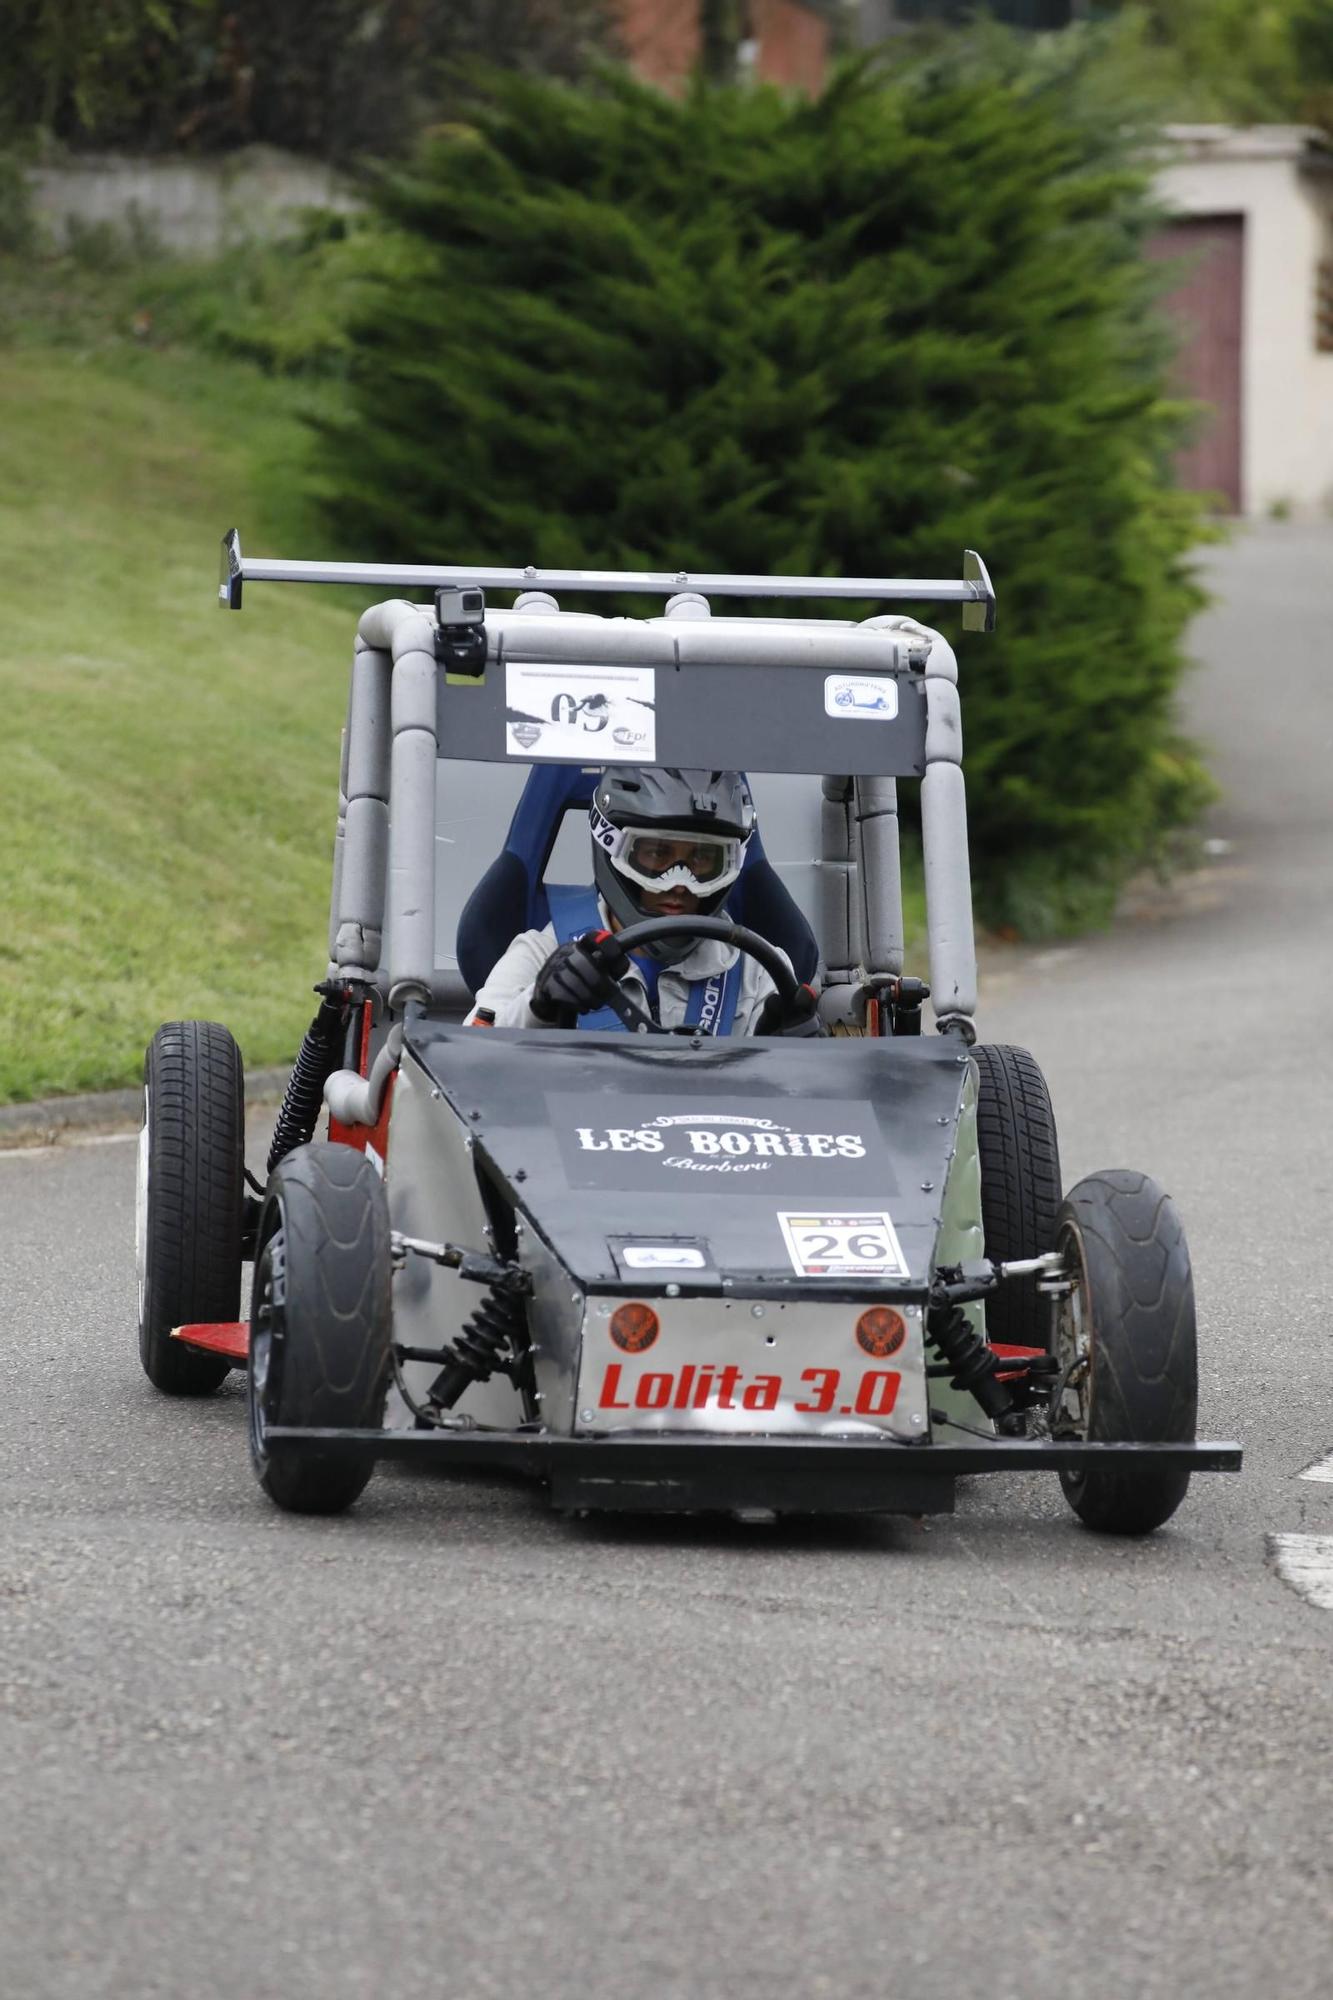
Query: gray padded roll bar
{"points": [[339, 838], [839, 895], [362, 848], [828, 645], [876, 809], [404, 745], [953, 955], [949, 929]]}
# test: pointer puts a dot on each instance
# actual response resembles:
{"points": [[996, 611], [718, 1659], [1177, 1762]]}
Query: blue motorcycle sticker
{"points": [[860, 697]]}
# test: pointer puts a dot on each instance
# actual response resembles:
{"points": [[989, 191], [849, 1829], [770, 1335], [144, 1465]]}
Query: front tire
{"points": [[321, 1324], [1020, 1185], [190, 1199], [1126, 1340]]}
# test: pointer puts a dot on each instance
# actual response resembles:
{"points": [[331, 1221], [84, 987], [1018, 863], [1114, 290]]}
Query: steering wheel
{"points": [[636, 936]]}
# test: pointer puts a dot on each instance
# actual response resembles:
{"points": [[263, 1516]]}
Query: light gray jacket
{"points": [[508, 990]]}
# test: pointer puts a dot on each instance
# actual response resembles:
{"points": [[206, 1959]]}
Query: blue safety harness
{"points": [[711, 1005]]}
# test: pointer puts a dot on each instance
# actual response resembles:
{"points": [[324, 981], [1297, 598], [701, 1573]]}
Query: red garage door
{"points": [[1206, 305]]}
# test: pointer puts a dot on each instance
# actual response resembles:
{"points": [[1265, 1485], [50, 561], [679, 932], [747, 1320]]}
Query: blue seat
{"points": [[511, 895]]}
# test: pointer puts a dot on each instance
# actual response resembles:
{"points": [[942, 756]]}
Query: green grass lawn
{"points": [[170, 772]]}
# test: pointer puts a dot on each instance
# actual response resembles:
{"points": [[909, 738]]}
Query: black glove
{"points": [[578, 977], [797, 1016]]}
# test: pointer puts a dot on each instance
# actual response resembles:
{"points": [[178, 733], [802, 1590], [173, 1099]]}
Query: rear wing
{"points": [[973, 590]]}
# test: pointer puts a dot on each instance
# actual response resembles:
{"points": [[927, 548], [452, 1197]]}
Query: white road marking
{"points": [[1306, 1563], [1322, 1469]]}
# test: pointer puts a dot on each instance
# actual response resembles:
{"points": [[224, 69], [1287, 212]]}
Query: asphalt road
{"points": [[454, 1745]]}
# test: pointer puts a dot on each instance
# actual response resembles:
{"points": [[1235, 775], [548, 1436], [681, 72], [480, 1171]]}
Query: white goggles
{"points": [[704, 863]]}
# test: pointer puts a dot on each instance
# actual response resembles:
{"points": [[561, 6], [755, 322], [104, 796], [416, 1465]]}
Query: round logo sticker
{"points": [[634, 1327], [881, 1331]]}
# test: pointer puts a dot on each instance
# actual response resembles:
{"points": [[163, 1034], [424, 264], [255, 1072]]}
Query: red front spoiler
{"points": [[224, 1336]]}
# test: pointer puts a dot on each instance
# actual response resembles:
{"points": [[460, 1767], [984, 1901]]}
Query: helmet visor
{"points": [[667, 858]]}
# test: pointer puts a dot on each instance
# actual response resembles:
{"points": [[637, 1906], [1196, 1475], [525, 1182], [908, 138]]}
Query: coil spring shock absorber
{"points": [[974, 1364], [319, 1055], [491, 1341]]}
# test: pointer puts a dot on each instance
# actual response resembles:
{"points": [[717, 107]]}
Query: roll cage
{"points": [[859, 704]]}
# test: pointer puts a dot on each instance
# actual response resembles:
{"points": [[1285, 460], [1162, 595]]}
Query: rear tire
{"points": [[1020, 1185], [321, 1323], [190, 1199], [1131, 1316]]}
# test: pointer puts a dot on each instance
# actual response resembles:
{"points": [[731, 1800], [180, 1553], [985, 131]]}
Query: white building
{"points": [[1254, 209]]}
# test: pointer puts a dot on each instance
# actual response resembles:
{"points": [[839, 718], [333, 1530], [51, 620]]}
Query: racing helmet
{"points": [[641, 818]]}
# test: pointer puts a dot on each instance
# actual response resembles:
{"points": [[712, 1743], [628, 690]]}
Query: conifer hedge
{"points": [[739, 332]]}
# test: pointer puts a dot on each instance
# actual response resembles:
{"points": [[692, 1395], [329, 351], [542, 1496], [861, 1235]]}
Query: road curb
{"points": [[97, 1110]]}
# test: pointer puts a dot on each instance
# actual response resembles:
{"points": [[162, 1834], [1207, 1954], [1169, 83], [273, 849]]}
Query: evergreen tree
{"points": [[740, 332], [1231, 60], [337, 80]]}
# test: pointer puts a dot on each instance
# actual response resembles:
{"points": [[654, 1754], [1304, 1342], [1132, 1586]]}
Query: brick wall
{"points": [[793, 44], [661, 39]]}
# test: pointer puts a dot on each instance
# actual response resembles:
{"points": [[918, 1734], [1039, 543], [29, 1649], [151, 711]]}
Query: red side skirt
{"points": [[1003, 1352], [232, 1338], [224, 1336]]}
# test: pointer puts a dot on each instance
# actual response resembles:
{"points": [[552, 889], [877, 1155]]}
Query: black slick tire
{"points": [[1020, 1184], [190, 1199], [321, 1324], [1131, 1316]]}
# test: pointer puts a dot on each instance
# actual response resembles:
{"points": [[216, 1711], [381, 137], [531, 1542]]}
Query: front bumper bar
{"points": [[676, 1474]]}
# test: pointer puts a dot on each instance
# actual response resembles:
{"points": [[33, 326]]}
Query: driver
{"points": [[665, 843]]}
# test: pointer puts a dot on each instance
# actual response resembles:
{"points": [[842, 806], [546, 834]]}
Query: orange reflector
{"points": [[881, 1331], [634, 1327]]}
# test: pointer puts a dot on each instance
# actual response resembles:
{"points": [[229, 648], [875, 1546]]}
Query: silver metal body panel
{"points": [[433, 1194], [740, 1367], [556, 1314], [730, 1365]]}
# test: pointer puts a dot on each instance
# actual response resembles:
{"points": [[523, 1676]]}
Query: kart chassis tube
{"points": [[684, 1474], [881, 912]]}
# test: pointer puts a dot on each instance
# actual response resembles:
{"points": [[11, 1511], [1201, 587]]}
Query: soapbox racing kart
{"points": [[660, 1270]]}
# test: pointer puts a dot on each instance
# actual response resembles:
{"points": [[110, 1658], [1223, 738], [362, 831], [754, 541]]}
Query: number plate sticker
{"points": [[601, 715], [861, 1245]]}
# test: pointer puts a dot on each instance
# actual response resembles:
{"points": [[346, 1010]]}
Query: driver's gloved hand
{"points": [[797, 1016], [578, 976]]}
